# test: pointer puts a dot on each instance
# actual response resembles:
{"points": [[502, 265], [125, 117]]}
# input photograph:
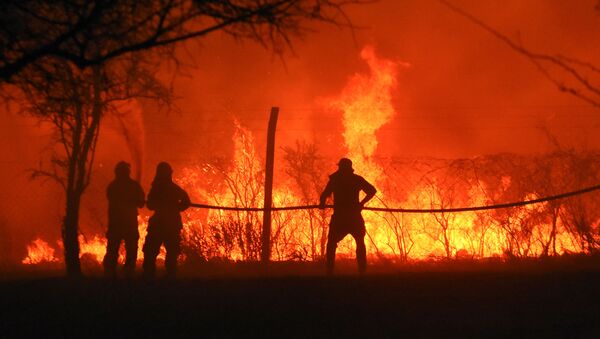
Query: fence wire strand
{"points": [[416, 210]]}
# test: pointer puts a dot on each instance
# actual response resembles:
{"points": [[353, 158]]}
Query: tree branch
{"points": [[566, 64]]}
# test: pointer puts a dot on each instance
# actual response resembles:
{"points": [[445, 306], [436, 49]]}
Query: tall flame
{"points": [[366, 102]]}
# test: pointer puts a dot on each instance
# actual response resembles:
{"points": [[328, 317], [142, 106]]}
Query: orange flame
{"points": [[94, 247], [39, 252], [366, 104]]}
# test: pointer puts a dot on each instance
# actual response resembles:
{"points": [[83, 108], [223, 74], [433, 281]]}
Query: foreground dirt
{"points": [[459, 303]]}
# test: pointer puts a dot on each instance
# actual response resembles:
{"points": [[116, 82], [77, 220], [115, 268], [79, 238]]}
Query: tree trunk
{"points": [[447, 243], [70, 233], [553, 234], [81, 157]]}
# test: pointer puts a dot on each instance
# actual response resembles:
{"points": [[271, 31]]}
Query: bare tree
{"points": [[441, 195], [237, 183], [288, 231], [446, 188], [580, 214], [550, 176], [398, 232], [305, 166], [74, 102]]}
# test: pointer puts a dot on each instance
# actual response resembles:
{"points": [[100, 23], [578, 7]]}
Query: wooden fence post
{"points": [[266, 229]]}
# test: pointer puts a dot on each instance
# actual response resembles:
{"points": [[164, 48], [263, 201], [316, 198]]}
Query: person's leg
{"points": [[361, 252], [330, 252], [335, 235], [131, 248], [173, 247], [112, 254], [151, 248]]}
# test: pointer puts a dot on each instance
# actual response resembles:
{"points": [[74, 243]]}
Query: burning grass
{"points": [[542, 230]]}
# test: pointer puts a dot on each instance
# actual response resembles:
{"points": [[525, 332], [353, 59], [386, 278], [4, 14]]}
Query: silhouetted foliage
{"points": [[90, 33]]}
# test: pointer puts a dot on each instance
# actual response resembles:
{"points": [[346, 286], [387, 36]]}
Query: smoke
{"points": [[465, 94], [131, 126], [28, 208]]}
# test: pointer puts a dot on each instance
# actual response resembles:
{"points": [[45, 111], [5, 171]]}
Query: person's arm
{"points": [[185, 201], [150, 203], [326, 193], [369, 190]]}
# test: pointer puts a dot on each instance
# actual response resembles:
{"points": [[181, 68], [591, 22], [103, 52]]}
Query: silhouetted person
{"points": [[125, 196], [347, 219], [167, 200]]}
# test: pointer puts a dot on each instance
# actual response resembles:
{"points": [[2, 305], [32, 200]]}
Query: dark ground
{"points": [[453, 300]]}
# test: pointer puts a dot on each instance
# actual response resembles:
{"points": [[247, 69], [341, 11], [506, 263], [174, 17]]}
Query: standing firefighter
{"points": [[167, 200], [125, 196], [347, 218]]}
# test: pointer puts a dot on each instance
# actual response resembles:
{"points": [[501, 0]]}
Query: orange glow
{"points": [[366, 105], [39, 252], [93, 247]]}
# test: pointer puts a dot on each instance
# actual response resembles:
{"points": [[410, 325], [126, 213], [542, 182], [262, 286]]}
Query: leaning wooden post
{"points": [[266, 229]]}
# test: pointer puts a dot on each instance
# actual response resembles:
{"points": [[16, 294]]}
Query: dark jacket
{"points": [[167, 200], [125, 196], [346, 187]]}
